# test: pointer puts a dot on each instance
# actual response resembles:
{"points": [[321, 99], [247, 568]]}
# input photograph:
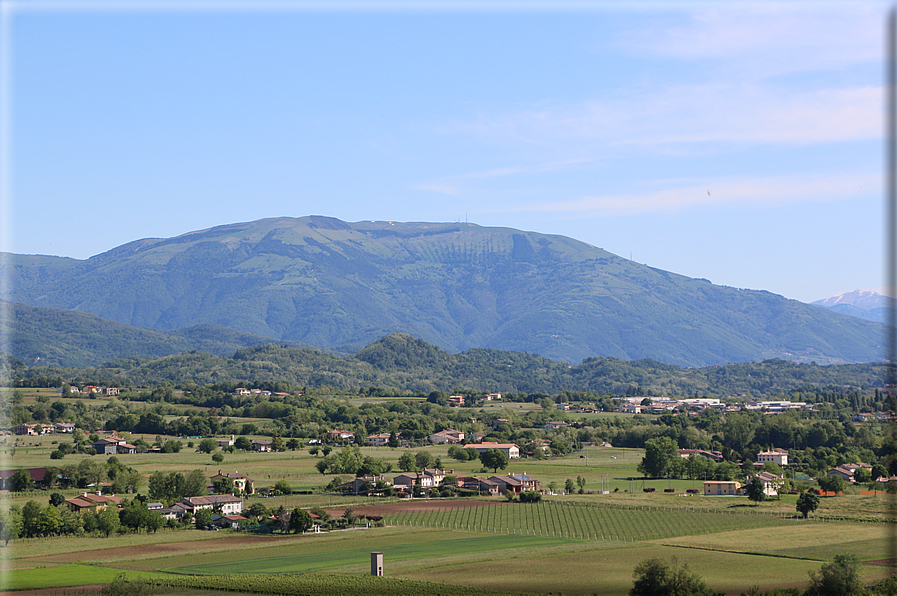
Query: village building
{"points": [[262, 446], [771, 483], [718, 488], [776, 456], [93, 502], [338, 436], [510, 448], [482, 485], [847, 471], [113, 446], [380, 439], [242, 482], [447, 437], [37, 477], [229, 504]]}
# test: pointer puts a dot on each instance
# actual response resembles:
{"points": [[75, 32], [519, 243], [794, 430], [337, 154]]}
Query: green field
{"points": [[359, 557], [725, 548], [67, 575]]}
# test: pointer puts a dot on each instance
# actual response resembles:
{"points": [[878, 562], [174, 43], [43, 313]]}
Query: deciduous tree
{"points": [[661, 457], [755, 490], [807, 503], [495, 459], [841, 577]]}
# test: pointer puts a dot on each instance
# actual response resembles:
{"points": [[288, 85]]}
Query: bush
{"points": [[656, 576], [841, 577], [530, 496]]}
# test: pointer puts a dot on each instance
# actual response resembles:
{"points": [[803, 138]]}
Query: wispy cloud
{"points": [[718, 192], [693, 113], [770, 39], [765, 73]]}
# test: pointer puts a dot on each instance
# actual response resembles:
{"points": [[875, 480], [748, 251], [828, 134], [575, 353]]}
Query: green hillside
{"points": [[402, 365], [55, 337], [324, 282]]}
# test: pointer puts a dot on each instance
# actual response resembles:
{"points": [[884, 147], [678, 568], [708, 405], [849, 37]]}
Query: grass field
{"points": [[67, 575], [359, 557]]}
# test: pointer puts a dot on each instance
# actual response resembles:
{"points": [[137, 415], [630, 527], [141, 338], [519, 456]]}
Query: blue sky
{"points": [[738, 142]]}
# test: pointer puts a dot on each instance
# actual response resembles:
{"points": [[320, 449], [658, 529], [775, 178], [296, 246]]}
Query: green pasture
{"points": [[582, 569], [67, 575], [799, 540], [359, 557]]}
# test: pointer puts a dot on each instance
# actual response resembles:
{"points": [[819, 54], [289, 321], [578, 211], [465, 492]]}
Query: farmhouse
{"points": [[92, 502], [447, 436], [483, 485], [26, 429], [113, 446], [227, 521], [340, 435], [507, 484], [365, 485], [37, 476], [847, 471], [426, 478], [776, 456], [456, 400], [510, 448], [262, 446], [529, 483], [242, 482], [771, 483], [230, 504], [721, 488], [380, 439]]}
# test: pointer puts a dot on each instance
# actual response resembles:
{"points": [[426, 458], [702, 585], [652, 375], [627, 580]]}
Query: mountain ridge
{"points": [[324, 282]]}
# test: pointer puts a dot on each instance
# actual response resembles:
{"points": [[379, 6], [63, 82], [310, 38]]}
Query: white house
{"points": [[510, 448], [776, 456]]}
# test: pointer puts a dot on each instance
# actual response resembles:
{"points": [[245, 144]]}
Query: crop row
{"points": [[289, 584], [568, 520]]}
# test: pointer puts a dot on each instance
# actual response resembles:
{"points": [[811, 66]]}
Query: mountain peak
{"points": [[862, 299]]}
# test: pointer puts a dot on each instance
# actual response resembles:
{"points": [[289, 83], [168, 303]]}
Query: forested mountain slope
{"points": [[338, 285]]}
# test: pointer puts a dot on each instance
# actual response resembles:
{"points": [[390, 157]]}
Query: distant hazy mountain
{"points": [[863, 304], [338, 285]]}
